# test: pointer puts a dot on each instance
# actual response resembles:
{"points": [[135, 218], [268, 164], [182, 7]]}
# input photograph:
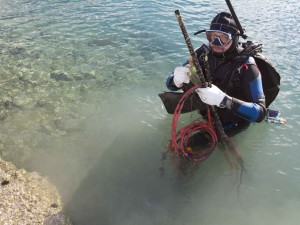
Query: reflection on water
{"points": [[79, 83]]}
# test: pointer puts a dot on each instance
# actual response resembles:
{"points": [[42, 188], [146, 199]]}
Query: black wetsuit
{"points": [[245, 88]]}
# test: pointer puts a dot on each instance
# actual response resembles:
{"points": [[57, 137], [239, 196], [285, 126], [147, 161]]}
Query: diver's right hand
{"points": [[181, 75]]}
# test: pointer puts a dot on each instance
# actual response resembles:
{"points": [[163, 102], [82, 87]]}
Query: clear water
{"points": [[98, 130]]}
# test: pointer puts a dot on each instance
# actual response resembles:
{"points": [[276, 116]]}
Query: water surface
{"points": [[79, 83]]}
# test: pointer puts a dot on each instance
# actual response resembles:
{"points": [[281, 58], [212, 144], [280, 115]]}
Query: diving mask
{"points": [[218, 37]]}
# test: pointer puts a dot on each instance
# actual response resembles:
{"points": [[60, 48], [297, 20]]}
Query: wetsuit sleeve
{"points": [[253, 107], [169, 82]]}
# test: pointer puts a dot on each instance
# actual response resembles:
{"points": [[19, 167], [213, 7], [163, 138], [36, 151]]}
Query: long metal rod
{"points": [[236, 20]]}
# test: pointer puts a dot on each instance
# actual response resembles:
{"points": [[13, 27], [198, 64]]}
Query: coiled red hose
{"points": [[180, 138]]}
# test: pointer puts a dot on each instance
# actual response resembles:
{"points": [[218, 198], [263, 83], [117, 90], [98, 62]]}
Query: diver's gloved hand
{"points": [[211, 95], [181, 75]]}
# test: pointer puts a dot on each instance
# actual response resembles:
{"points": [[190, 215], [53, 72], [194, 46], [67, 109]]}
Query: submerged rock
{"points": [[100, 42], [3, 115], [58, 219], [28, 198], [84, 76], [60, 77], [17, 50]]}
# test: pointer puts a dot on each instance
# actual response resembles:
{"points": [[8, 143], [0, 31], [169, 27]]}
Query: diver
{"points": [[237, 91]]}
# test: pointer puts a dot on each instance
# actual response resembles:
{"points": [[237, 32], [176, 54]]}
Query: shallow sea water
{"points": [[79, 104]]}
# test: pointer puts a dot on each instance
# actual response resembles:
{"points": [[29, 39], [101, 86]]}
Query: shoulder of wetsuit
{"points": [[269, 74]]}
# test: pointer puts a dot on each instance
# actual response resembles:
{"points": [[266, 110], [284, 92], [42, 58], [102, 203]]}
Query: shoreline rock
{"points": [[28, 198]]}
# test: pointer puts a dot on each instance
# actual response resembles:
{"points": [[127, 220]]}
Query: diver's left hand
{"points": [[211, 95]]}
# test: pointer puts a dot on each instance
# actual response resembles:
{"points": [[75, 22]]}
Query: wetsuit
{"points": [[244, 86]]}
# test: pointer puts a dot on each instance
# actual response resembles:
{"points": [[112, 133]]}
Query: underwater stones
{"points": [[41, 103], [58, 219], [28, 198], [28, 80], [5, 107], [10, 105], [17, 50], [3, 115], [100, 42], [84, 76], [67, 125], [60, 76], [50, 130]]}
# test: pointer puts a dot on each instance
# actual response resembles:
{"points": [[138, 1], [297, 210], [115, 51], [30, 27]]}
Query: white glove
{"points": [[181, 75], [211, 96]]}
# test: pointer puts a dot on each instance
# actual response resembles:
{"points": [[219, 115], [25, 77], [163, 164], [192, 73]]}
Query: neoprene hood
{"points": [[224, 22]]}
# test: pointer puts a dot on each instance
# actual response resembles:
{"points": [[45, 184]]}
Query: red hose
{"points": [[178, 144]]}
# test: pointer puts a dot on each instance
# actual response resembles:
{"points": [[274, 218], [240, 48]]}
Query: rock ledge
{"points": [[28, 198]]}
